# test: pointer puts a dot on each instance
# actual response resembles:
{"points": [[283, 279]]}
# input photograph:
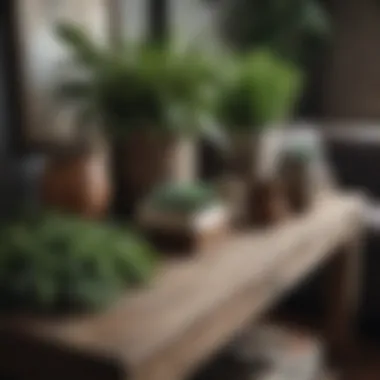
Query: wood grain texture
{"points": [[195, 305]]}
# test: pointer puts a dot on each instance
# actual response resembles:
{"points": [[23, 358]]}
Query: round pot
{"points": [[144, 160], [78, 182]]}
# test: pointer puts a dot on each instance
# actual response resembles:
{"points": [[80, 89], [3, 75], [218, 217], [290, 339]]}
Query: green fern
{"points": [[140, 86], [54, 262]]}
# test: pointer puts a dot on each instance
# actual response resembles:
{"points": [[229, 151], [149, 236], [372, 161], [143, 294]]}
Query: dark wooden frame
{"points": [[158, 20], [13, 80]]}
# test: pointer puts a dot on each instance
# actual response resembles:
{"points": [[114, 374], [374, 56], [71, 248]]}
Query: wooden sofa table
{"points": [[195, 305]]}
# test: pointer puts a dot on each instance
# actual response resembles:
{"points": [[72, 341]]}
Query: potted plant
{"points": [[261, 96], [151, 101], [54, 263], [184, 216]]}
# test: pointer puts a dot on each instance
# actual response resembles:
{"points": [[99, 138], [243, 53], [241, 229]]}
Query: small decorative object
{"points": [[183, 216], [55, 263]]}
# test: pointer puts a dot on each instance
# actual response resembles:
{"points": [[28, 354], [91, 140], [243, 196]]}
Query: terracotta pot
{"points": [[78, 183], [145, 160]]}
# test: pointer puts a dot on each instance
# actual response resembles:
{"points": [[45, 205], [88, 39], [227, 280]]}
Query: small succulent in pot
{"points": [[184, 213], [53, 263], [183, 198]]}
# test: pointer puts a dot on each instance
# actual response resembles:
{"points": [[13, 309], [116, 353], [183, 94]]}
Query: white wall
{"points": [[42, 55], [135, 15], [193, 21], [190, 21]]}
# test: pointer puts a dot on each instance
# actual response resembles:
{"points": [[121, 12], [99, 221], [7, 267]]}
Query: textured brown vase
{"points": [[146, 160], [267, 204], [78, 183]]}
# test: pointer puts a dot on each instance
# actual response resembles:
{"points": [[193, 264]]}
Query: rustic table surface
{"points": [[195, 305]]}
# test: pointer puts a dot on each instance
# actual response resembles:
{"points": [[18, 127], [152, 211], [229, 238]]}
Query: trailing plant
{"points": [[53, 262], [183, 198], [264, 91], [139, 86]]}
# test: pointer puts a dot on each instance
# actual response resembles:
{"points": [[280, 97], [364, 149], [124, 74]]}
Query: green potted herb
{"points": [[151, 101], [184, 213], [261, 95], [55, 263]]}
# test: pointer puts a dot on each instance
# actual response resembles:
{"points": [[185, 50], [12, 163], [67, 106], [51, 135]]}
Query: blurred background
{"points": [[333, 44]]}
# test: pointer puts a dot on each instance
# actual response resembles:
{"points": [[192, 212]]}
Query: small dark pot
{"points": [[295, 174], [266, 203]]}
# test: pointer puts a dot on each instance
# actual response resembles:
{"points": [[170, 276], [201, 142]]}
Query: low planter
{"points": [[175, 219], [78, 182]]}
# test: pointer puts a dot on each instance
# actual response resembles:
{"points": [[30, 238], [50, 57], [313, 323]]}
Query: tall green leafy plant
{"points": [[139, 86], [264, 91]]}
